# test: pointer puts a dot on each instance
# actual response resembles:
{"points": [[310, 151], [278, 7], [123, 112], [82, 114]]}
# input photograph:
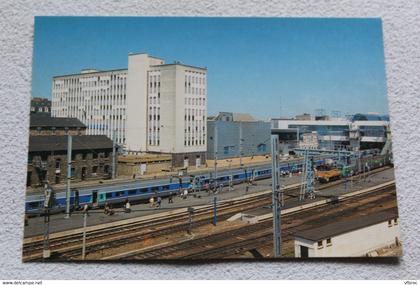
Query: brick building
{"points": [[42, 124], [47, 159]]}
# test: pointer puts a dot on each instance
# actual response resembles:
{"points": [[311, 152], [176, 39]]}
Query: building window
{"points": [[320, 244], [389, 223], [262, 148], [329, 242], [396, 221], [29, 178], [94, 170], [57, 163]]}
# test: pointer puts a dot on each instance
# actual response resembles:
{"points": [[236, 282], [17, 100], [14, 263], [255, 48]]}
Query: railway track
{"points": [[246, 238], [67, 244], [98, 238]]}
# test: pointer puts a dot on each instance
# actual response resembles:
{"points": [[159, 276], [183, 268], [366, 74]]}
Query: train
{"points": [[327, 173], [138, 191]]}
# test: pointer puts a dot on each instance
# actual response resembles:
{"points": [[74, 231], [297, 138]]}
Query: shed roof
{"points": [[45, 120], [338, 228], [55, 143]]}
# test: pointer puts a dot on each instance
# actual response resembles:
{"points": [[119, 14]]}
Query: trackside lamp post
{"points": [[68, 193], [48, 201], [276, 197]]}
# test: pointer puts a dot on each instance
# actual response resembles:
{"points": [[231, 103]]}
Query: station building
{"points": [[150, 106], [230, 128], [363, 236], [47, 159], [355, 133]]}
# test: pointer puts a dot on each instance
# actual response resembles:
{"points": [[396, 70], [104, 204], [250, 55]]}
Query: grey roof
{"points": [[56, 143], [235, 117], [338, 228], [45, 120]]}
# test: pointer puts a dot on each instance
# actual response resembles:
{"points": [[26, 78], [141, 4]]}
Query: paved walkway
{"points": [[58, 223]]}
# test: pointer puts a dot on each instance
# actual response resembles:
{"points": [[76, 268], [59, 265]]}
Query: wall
{"points": [[401, 22], [138, 64], [253, 135], [104, 158], [128, 169]]}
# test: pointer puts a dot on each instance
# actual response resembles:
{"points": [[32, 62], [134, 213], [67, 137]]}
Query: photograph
{"points": [[209, 138]]}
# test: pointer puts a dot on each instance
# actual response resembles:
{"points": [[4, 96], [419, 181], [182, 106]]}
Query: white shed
{"points": [[350, 238]]}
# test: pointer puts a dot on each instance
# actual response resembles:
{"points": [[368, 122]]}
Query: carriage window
{"points": [[132, 192], [144, 190], [109, 195], [34, 205], [119, 193]]}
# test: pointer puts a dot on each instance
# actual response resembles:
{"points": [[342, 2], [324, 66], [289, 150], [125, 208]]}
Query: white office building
{"points": [[149, 107]]}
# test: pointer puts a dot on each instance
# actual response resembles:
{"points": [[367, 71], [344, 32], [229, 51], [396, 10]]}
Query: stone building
{"points": [[47, 159], [40, 105], [42, 124]]}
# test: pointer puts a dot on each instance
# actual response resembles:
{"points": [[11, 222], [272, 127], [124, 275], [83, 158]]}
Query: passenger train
{"points": [[96, 196]]}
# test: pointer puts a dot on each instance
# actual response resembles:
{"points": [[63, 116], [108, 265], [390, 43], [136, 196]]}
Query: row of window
{"points": [[195, 101], [90, 81], [194, 142], [194, 90], [194, 78], [321, 243]]}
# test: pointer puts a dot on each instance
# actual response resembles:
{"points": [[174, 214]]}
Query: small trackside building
{"points": [[350, 238]]}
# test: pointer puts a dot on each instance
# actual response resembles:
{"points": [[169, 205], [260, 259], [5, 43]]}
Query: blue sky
{"points": [[268, 67]]}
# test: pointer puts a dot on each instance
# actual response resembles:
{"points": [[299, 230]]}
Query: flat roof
{"points": [[89, 73], [169, 64], [342, 227], [144, 158], [137, 53]]}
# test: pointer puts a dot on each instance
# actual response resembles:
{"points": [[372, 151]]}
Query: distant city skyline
{"points": [[267, 67]]}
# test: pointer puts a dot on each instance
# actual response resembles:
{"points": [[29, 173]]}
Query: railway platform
{"points": [[96, 217]]}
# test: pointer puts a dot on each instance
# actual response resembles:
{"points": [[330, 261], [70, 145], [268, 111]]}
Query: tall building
{"points": [[237, 134], [358, 132], [150, 106]]}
